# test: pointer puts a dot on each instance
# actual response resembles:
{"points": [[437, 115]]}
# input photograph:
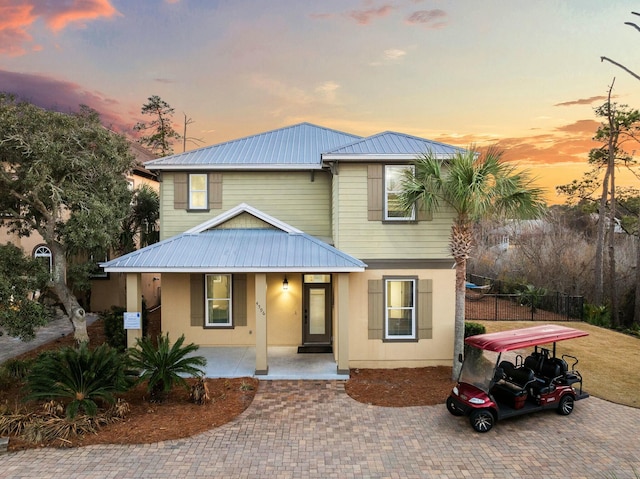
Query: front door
{"points": [[317, 313]]}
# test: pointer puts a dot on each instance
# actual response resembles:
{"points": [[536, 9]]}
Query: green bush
{"points": [[114, 331], [472, 329], [80, 376], [597, 315], [17, 368], [164, 365]]}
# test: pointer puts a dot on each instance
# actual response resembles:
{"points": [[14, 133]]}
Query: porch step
{"points": [[315, 348]]}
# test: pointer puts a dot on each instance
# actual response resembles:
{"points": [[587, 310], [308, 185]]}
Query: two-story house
{"points": [[295, 237]]}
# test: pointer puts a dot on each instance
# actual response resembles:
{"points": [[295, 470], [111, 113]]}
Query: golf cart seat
{"points": [[513, 387]]}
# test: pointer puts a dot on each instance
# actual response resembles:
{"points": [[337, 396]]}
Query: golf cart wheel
{"points": [[481, 420], [453, 409], [566, 405]]}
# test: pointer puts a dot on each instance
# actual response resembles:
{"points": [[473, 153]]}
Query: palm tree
{"points": [[474, 186]]}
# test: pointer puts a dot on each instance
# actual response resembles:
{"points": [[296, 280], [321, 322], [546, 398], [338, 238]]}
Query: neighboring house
{"points": [[294, 237], [106, 289]]}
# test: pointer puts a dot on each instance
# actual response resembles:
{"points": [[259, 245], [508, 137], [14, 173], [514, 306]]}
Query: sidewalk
{"points": [[11, 347]]}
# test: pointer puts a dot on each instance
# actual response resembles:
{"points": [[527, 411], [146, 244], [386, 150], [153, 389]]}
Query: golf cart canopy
{"points": [[523, 338]]}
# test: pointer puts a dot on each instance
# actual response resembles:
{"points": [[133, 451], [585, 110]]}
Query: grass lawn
{"points": [[609, 361]]}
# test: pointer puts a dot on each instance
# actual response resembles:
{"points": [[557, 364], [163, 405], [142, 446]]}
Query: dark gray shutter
{"points": [[376, 306], [239, 299], [180, 191], [375, 192], [425, 309], [197, 299], [215, 190]]}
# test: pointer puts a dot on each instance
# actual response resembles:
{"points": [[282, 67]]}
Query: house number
{"points": [[260, 309]]}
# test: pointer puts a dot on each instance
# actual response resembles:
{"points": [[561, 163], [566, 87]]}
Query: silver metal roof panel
{"points": [[237, 250], [294, 147]]}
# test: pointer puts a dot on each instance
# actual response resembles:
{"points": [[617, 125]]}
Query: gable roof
{"points": [[206, 249], [390, 144], [293, 147]]}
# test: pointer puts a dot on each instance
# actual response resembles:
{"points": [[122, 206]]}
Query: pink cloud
{"points": [[63, 96], [583, 101], [365, 17], [17, 16], [435, 18]]}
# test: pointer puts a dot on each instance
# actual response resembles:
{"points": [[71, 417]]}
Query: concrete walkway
{"points": [[300, 429]]}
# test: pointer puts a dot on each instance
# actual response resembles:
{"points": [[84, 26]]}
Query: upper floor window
{"points": [[400, 308], [198, 191], [218, 300], [393, 211]]}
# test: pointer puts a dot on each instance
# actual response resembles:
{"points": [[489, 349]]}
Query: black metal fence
{"points": [[496, 305]]}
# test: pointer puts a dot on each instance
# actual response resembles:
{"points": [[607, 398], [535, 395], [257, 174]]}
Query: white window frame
{"points": [[192, 205], [387, 168], [412, 308], [208, 299], [43, 251]]}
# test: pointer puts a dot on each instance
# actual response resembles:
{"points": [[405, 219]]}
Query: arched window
{"points": [[43, 253]]}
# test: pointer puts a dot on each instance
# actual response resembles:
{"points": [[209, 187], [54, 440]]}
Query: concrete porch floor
{"points": [[284, 363]]}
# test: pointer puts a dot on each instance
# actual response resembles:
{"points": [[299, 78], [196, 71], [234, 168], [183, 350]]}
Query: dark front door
{"points": [[317, 313]]}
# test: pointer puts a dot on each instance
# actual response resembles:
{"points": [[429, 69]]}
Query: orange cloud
{"points": [[17, 16], [583, 101]]}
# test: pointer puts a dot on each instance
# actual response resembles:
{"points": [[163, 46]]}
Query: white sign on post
{"points": [[132, 321]]}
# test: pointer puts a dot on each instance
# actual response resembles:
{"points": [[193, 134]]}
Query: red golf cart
{"points": [[509, 374]]}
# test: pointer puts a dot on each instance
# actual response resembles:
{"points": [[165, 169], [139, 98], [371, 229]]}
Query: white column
{"points": [[262, 367], [134, 304], [342, 320]]}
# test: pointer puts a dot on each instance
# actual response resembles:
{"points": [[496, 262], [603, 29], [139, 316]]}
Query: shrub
{"points": [[597, 315], [17, 368], [164, 365], [79, 375], [114, 330], [472, 329]]}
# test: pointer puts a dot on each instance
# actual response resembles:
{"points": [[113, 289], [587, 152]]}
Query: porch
{"points": [[284, 363]]}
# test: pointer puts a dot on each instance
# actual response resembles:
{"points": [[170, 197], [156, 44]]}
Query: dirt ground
{"points": [[177, 418]]}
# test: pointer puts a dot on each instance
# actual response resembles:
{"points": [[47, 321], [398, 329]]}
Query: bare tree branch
{"points": [[636, 76], [631, 24]]}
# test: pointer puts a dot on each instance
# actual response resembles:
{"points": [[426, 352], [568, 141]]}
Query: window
{"points": [[400, 309], [43, 254], [392, 186], [198, 192], [218, 300]]}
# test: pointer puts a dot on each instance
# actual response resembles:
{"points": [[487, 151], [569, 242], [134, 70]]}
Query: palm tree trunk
{"points": [[458, 345]]}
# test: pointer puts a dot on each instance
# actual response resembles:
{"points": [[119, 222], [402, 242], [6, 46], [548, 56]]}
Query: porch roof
{"points": [[235, 251]]}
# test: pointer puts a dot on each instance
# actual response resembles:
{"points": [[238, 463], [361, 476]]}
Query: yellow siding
{"points": [[283, 313], [355, 235], [291, 197], [374, 353]]}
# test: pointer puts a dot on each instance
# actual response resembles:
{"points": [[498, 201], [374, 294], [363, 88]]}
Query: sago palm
{"points": [[472, 186], [164, 365]]}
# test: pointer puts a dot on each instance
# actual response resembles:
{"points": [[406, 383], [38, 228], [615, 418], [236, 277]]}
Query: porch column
{"points": [[342, 322], [134, 304], [262, 367]]}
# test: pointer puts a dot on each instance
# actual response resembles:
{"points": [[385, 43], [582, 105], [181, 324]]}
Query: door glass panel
{"points": [[317, 311]]}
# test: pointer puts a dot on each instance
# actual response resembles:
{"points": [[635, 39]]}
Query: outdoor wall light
{"points": [[285, 284]]}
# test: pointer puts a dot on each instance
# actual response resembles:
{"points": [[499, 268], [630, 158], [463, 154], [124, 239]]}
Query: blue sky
{"points": [[525, 75]]}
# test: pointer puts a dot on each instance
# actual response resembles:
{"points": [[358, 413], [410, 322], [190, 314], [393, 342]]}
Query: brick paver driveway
{"points": [[298, 429]]}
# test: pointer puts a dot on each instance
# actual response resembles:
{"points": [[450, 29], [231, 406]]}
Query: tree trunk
{"points": [[75, 312], [458, 345], [599, 260], [636, 316]]}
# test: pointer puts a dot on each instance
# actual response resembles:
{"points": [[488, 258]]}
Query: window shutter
{"points": [[375, 192], [197, 299], [215, 190], [239, 299], [425, 309], [180, 191], [376, 313]]}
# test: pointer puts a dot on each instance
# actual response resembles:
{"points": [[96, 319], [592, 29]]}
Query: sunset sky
{"points": [[523, 74]]}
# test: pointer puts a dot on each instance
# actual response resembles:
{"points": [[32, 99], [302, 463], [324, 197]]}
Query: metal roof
{"points": [[237, 250], [294, 147], [391, 144], [523, 338]]}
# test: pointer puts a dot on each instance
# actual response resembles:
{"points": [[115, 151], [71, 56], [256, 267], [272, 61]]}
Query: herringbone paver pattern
{"points": [[299, 429]]}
